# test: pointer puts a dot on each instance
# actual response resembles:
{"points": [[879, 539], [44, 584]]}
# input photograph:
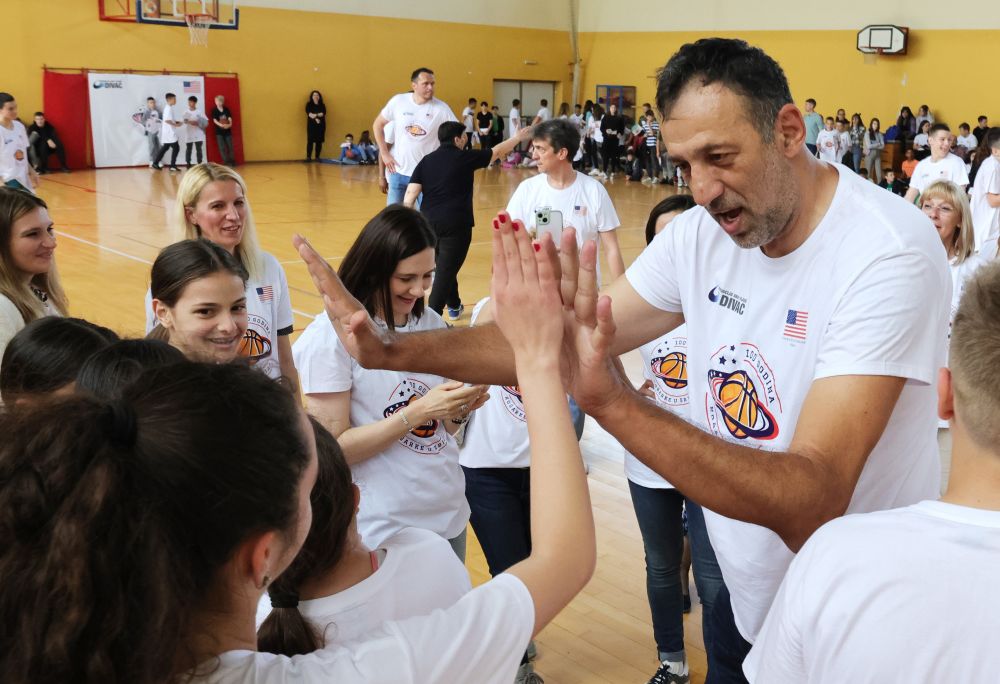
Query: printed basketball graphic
{"points": [[743, 413], [415, 130], [425, 438], [511, 396], [671, 369], [254, 346], [19, 155]]}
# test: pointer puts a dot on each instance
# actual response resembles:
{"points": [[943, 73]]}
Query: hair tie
{"points": [[123, 426], [283, 599]]}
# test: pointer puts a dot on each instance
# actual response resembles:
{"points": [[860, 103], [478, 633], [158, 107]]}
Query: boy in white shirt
{"points": [[941, 165], [15, 171], [864, 599], [195, 124], [985, 199], [966, 141], [844, 140], [168, 134], [828, 143]]}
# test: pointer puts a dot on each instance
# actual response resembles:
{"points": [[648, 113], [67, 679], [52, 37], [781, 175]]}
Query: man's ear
{"points": [[790, 129]]}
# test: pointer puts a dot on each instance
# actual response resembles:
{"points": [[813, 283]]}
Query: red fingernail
{"points": [[515, 227], [503, 218], [538, 247], [496, 225]]}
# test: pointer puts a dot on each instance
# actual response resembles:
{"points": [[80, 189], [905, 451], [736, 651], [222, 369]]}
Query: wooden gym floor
{"points": [[112, 223]]}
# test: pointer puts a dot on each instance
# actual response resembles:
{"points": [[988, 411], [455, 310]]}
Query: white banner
{"points": [[116, 105]]}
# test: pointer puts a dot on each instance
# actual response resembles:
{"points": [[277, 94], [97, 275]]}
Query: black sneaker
{"points": [[174, 169], [156, 166], [667, 676]]}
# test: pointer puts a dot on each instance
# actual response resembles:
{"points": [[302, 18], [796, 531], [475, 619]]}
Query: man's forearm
{"points": [[785, 492], [477, 355]]}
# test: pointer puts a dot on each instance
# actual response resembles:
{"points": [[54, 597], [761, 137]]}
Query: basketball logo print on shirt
{"points": [[742, 400], [423, 438], [254, 346], [416, 130], [668, 364], [511, 395]]}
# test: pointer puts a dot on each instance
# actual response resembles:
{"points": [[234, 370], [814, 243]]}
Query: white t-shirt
{"points": [[764, 329], [11, 321], [578, 121], [168, 134], [828, 143], [845, 142], [269, 314], [469, 119], [986, 219], [416, 128], [907, 595], [417, 481], [515, 121], [14, 155], [480, 639], [419, 574], [969, 141], [921, 140], [544, 114], [585, 205], [949, 168], [664, 363], [497, 433], [194, 133]]}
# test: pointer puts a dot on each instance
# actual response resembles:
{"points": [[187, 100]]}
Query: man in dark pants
{"points": [[445, 178], [44, 141]]}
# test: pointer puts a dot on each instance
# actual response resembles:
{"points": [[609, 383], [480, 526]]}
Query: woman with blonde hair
{"points": [[29, 283], [212, 204]]}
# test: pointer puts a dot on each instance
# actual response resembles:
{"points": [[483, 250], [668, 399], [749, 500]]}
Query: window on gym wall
{"points": [[621, 95]]}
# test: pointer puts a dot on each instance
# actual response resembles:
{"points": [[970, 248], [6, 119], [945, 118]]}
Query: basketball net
{"points": [[198, 25]]}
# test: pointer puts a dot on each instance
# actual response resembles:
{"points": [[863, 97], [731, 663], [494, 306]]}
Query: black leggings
{"points": [[452, 248], [609, 150], [309, 148], [175, 146]]}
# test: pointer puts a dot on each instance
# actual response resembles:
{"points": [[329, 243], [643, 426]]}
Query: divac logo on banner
{"points": [[108, 84]]}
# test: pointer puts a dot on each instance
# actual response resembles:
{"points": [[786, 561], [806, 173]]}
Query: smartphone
{"points": [[549, 221]]}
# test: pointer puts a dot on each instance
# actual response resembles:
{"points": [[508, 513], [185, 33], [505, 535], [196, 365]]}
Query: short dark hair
{"points": [[516, 102], [576, 106], [5, 98], [108, 372], [983, 117], [150, 98], [811, 101], [545, 103], [192, 99], [746, 70], [394, 234], [472, 100], [560, 134], [938, 127], [39, 113], [964, 125], [47, 354], [416, 73], [484, 103], [666, 206], [450, 130], [993, 138], [830, 119], [169, 95]]}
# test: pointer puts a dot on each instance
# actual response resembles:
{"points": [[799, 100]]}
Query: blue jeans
{"points": [[728, 647], [707, 573], [397, 189], [500, 501], [856, 157]]}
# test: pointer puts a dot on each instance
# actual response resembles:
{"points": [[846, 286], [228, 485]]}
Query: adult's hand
{"points": [[388, 160], [383, 184], [361, 336]]}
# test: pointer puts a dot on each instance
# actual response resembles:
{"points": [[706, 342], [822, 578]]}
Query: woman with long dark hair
{"points": [[315, 125]]}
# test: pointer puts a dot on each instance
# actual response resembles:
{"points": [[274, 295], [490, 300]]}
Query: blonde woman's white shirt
{"points": [[418, 574], [949, 168], [14, 155], [11, 321], [497, 433], [907, 595], [269, 315], [867, 293], [480, 640], [986, 219], [416, 481], [664, 364]]}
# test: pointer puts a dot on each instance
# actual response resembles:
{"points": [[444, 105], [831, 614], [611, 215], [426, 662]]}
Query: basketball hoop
{"points": [[198, 25]]}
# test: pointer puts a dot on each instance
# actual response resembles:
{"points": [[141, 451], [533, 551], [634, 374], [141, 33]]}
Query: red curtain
{"points": [[229, 88], [67, 107]]}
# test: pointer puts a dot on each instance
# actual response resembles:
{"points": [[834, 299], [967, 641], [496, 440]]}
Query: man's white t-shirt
{"points": [[416, 127], [194, 133], [269, 315], [168, 134], [480, 639], [469, 120], [664, 364], [906, 595], [949, 168], [514, 117], [418, 574], [544, 114], [762, 330], [986, 219], [828, 144], [14, 155], [497, 433], [417, 481], [585, 205]]}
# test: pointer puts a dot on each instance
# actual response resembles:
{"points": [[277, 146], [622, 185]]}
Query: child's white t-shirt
{"points": [[14, 155], [419, 574], [905, 595], [986, 219], [168, 134], [949, 167], [416, 481], [664, 363], [828, 143], [921, 140], [416, 127], [269, 316], [480, 639], [761, 330], [967, 141], [194, 133]]}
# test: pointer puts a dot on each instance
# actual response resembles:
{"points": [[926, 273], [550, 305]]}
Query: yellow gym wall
{"points": [[357, 62], [944, 69]]}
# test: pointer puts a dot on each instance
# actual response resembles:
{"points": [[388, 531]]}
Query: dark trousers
{"points": [[652, 162], [197, 145], [500, 501], [318, 144], [40, 152], [609, 151], [175, 146], [728, 648], [590, 157], [225, 143], [452, 248]]}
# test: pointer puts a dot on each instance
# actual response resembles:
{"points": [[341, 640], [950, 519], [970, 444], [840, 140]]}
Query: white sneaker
{"points": [[647, 180], [595, 172]]}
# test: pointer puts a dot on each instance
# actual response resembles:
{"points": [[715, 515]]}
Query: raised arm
{"points": [[508, 145]]}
